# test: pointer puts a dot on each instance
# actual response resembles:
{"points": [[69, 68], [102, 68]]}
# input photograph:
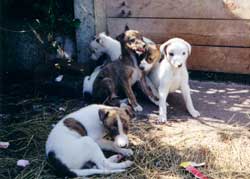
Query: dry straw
{"points": [[158, 149]]}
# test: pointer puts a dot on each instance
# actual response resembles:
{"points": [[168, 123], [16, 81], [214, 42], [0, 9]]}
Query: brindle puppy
{"points": [[118, 77], [134, 49]]}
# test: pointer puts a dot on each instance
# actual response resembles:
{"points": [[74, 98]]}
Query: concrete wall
{"points": [[84, 10]]}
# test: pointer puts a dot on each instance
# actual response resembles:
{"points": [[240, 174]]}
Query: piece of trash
{"points": [[4, 145], [57, 66], [190, 167], [62, 109], [59, 78], [22, 163]]}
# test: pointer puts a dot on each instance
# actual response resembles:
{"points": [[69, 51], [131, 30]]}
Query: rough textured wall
{"points": [[22, 51], [84, 10]]}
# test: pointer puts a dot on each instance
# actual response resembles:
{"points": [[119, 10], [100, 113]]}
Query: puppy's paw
{"points": [[162, 120], [138, 108], [127, 152], [195, 114], [123, 105], [128, 163], [115, 158], [93, 57]]}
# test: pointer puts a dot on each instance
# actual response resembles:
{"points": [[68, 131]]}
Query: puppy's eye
{"points": [[114, 131], [132, 40], [150, 59], [171, 54], [184, 53], [98, 40], [125, 128]]}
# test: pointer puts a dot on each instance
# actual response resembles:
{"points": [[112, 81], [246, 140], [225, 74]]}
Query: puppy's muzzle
{"points": [[121, 141], [142, 67], [179, 66]]}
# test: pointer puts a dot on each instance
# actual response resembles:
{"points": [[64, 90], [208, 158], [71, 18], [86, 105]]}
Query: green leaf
{"points": [[76, 23]]}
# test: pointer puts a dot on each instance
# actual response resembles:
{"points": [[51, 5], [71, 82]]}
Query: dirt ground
{"points": [[220, 137], [217, 102]]}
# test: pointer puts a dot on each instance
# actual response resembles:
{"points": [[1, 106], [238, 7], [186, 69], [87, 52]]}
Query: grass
{"points": [[158, 149]]}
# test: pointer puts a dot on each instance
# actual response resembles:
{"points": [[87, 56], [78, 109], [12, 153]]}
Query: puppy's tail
{"points": [[87, 172], [60, 168]]}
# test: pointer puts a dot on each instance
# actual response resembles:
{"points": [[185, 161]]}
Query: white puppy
{"points": [[77, 139], [99, 47], [170, 73]]}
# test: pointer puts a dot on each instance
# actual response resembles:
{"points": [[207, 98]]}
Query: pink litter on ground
{"points": [[23, 163], [4, 145]]}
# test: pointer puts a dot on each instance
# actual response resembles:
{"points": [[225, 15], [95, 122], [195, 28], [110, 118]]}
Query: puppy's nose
{"points": [[144, 46], [141, 67], [180, 65], [123, 145]]}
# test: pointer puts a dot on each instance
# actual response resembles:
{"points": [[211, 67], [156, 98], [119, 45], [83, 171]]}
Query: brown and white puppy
{"points": [[151, 58], [79, 138], [119, 76]]}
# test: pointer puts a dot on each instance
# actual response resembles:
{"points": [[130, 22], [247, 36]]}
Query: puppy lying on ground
{"points": [[78, 139], [170, 73]]}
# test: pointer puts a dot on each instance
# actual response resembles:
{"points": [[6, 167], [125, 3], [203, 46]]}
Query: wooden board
{"points": [[220, 59], [208, 9], [196, 31]]}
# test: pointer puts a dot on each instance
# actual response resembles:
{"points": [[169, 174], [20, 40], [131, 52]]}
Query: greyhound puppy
{"points": [[132, 51], [119, 76], [170, 73], [79, 138]]}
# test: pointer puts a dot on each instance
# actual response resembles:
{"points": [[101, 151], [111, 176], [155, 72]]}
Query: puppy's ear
{"points": [[188, 46], [129, 112], [103, 114], [97, 40], [163, 47], [120, 37], [126, 28]]}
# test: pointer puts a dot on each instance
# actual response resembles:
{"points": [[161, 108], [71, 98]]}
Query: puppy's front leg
{"points": [[110, 146], [149, 89], [163, 93], [131, 96], [185, 89]]}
